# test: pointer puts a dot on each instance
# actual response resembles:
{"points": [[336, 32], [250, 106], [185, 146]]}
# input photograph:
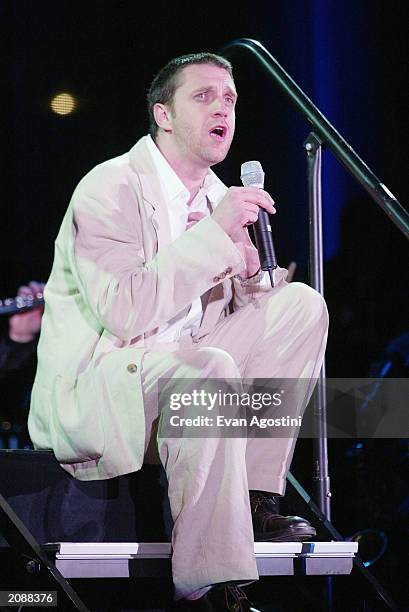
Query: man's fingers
{"points": [[254, 208], [24, 290], [240, 207], [36, 287], [33, 288], [260, 198], [194, 217], [251, 208]]}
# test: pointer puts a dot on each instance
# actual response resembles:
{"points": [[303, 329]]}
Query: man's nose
{"points": [[220, 107]]}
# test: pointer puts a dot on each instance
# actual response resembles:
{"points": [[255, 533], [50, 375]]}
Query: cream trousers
{"points": [[281, 334]]}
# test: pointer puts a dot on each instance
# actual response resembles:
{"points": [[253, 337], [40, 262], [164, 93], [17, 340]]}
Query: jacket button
{"points": [[132, 368]]}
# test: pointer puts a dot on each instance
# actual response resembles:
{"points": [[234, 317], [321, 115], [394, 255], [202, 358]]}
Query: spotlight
{"points": [[63, 104]]}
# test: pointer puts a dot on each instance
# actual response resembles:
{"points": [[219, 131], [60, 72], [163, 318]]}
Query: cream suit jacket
{"points": [[116, 277]]}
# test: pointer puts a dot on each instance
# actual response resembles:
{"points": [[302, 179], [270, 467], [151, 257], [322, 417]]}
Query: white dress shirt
{"points": [[186, 322]]}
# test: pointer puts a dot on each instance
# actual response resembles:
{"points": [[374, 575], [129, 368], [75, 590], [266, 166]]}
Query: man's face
{"points": [[202, 117]]}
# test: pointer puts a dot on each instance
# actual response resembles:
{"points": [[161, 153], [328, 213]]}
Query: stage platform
{"points": [[146, 560], [125, 564]]}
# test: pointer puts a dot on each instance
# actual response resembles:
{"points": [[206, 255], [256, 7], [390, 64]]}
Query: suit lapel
{"points": [[155, 204], [152, 192]]}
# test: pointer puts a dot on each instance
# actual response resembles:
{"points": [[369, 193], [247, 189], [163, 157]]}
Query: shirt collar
{"points": [[212, 186], [171, 183]]}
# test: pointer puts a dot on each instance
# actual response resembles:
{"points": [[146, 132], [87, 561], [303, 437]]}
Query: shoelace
{"points": [[259, 499], [238, 597], [256, 502]]}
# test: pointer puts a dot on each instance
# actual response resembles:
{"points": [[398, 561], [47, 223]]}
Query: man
{"points": [[151, 253]]}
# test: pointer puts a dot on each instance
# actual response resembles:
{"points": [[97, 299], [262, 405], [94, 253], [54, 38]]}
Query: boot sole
{"points": [[286, 535]]}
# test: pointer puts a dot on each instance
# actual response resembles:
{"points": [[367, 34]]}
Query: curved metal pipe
{"points": [[325, 130]]}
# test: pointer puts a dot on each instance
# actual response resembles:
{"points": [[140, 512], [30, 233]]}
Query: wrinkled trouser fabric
{"points": [[281, 334]]}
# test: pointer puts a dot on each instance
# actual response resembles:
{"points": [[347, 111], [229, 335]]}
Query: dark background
{"points": [[351, 58]]}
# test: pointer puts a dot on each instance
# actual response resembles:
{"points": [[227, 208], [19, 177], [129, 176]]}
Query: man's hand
{"points": [[24, 326], [239, 208], [193, 218]]}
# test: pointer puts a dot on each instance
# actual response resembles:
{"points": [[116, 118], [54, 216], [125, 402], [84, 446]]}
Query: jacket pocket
{"points": [[75, 419]]}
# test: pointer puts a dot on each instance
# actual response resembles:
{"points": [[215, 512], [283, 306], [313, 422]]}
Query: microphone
{"points": [[252, 175]]}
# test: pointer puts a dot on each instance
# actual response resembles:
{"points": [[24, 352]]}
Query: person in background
{"points": [[18, 362], [20, 342]]}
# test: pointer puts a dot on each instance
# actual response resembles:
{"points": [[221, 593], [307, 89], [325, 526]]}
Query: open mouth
{"points": [[219, 132]]}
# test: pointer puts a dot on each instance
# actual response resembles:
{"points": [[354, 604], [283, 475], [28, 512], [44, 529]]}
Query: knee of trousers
{"points": [[311, 304], [215, 362], [305, 304]]}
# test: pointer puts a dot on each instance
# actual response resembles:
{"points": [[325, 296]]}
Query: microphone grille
{"points": [[252, 174]]}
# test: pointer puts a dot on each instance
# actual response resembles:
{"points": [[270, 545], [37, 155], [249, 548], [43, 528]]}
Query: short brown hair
{"points": [[166, 82]]}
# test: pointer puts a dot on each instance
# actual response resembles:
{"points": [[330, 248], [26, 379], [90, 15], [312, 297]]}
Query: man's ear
{"points": [[162, 116]]}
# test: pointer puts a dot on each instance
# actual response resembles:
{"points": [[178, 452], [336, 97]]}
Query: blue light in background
{"points": [[327, 48], [341, 90]]}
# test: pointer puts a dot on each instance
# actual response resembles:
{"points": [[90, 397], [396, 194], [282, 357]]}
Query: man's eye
{"points": [[201, 96], [229, 99]]}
